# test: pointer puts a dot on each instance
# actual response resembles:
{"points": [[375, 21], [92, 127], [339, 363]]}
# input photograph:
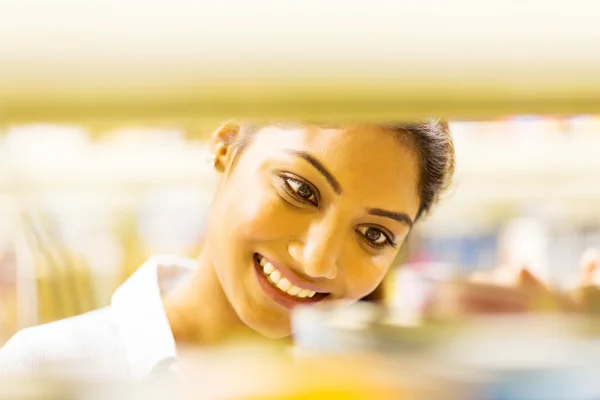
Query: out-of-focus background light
{"points": [[82, 211]]}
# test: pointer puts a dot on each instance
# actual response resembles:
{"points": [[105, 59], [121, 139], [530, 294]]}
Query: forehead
{"points": [[371, 164]]}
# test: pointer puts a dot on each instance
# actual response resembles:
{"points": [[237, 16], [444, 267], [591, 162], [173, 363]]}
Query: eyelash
{"points": [[388, 240], [288, 181]]}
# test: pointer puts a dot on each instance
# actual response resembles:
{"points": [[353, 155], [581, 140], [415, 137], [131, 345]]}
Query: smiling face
{"points": [[307, 214]]}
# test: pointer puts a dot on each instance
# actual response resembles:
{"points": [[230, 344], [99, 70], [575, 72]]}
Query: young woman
{"points": [[302, 214]]}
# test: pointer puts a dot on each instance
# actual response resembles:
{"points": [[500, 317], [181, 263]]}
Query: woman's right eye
{"points": [[301, 190]]}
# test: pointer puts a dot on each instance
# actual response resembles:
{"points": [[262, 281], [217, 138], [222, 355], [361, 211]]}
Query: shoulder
{"points": [[90, 338]]}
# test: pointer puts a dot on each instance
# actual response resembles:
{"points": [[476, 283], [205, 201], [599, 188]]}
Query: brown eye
{"points": [[375, 237], [301, 189]]}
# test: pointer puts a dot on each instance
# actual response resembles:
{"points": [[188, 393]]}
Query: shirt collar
{"points": [[140, 315]]}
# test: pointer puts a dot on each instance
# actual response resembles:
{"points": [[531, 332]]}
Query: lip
{"points": [[283, 299]]}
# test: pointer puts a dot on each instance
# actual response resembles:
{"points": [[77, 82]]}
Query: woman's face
{"points": [[307, 215]]}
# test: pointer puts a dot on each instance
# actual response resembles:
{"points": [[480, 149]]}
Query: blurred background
{"points": [[82, 209], [105, 107]]}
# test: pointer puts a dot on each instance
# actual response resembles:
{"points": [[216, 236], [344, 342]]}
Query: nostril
{"points": [[321, 271]]}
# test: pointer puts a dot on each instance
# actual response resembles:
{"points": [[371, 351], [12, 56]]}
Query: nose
{"points": [[319, 253]]}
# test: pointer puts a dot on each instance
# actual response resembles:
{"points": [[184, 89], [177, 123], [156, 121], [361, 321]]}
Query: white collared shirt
{"points": [[127, 339]]}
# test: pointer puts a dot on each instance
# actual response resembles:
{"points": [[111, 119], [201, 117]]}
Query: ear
{"points": [[221, 144]]}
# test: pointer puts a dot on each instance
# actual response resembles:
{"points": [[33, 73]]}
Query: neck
{"points": [[199, 311]]}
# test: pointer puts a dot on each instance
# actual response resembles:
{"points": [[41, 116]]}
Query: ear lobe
{"points": [[221, 144]]}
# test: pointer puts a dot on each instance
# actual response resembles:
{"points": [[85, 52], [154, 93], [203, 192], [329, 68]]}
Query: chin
{"points": [[275, 333], [270, 328]]}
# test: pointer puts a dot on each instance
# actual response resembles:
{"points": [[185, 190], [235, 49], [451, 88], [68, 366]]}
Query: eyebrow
{"points": [[398, 216], [337, 188]]}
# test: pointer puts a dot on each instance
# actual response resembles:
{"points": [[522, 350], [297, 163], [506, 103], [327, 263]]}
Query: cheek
{"points": [[362, 277], [260, 214]]}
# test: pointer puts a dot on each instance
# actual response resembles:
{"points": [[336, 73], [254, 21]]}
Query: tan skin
{"points": [[319, 236], [320, 239]]}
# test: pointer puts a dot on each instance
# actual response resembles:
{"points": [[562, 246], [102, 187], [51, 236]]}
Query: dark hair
{"points": [[430, 139]]}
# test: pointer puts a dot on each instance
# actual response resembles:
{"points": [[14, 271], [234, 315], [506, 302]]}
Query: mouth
{"points": [[279, 288]]}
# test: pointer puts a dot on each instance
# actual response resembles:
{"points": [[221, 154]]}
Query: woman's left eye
{"points": [[376, 237]]}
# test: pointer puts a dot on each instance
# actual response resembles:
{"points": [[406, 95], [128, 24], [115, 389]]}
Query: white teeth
{"points": [[275, 277], [267, 267], [284, 284], [294, 290]]}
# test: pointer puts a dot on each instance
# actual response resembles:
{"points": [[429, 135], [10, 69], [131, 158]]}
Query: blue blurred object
{"points": [[469, 252]]}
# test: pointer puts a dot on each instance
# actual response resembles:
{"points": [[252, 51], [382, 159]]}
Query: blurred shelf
{"points": [[183, 60]]}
